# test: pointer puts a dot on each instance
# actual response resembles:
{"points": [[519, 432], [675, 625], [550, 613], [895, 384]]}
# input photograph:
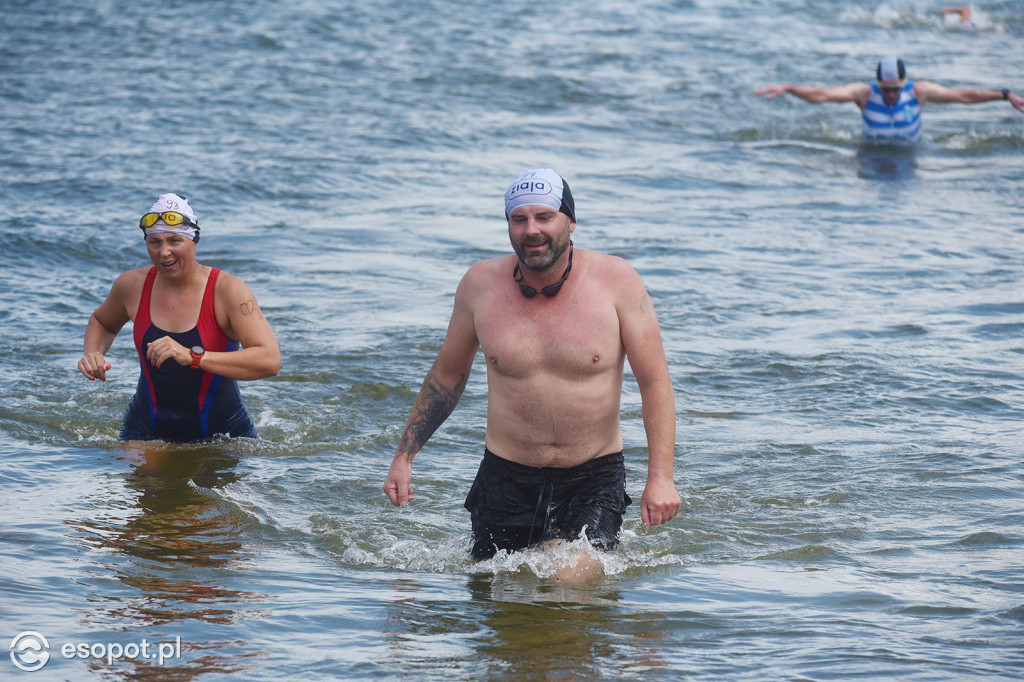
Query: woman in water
{"points": [[197, 331]]}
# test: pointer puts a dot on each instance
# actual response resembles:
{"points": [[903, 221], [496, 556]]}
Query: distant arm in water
{"points": [[815, 94], [927, 91]]}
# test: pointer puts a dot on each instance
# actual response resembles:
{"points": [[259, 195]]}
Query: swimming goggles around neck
{"points": [[551, 289]]}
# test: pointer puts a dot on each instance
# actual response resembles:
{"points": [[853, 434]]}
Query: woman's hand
{"points": [[94, 366], [165, 348]]}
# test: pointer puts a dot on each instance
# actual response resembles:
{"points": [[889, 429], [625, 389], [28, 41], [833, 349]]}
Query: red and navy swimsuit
{"points": [[182, 404]]}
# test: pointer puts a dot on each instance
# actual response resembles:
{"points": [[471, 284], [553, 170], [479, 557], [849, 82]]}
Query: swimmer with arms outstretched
{"points": [[891, 105]]}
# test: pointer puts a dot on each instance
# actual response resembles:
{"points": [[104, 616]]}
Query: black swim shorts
{"points": [[514, 506]]}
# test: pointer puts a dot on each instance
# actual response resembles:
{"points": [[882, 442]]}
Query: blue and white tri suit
{"points": [[902, 121]]}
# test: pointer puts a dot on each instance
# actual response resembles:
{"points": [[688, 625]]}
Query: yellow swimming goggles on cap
{"points": [[170, 218]]}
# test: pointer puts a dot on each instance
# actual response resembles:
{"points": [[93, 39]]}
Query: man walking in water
{"points": [[556, 326], [891, 105]]}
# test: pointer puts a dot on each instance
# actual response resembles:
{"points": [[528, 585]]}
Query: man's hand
{"points": [[398, 483], [660, 502], [1017, 101], [771, 91]]}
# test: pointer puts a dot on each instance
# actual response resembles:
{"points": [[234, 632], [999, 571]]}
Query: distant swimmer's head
{"points": [[540, 187], [890, 71], [892, 77], [171, 213]]}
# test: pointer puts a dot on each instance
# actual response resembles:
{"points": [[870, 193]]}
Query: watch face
{"points": [[198, 350]]}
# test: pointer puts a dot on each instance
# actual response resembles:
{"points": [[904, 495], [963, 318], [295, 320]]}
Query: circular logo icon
{"points": [[30, 651]]}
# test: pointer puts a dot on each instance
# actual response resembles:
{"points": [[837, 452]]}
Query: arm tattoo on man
{"points": [[250, 307], [433, 405], [646, 307]]}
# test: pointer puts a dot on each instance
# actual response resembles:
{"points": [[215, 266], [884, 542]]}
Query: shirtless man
{"points": [[891, 105], [556, 326]]}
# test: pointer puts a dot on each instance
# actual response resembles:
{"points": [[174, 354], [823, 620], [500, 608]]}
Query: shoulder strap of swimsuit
{"points": [[142, 319], [209, 330]]}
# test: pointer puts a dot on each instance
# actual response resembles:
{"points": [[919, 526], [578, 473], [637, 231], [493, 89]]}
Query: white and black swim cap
{"points": [[540, 187], [890, 69], [171, 203]]}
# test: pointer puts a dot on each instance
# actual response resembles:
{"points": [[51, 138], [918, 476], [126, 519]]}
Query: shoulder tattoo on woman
{"points": [[250, 307]]}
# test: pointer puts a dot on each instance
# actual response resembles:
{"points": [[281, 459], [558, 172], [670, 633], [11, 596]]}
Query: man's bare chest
{"points": [[569, 341]]}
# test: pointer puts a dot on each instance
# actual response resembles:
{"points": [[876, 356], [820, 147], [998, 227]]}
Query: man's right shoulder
{"points": [[488, 269], [859, 92], [482, 278]]}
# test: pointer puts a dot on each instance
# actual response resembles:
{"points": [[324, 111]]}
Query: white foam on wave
{"points": [[452, 556]]}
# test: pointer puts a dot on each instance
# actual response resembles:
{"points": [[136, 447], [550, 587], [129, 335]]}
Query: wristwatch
{"points": [[197, 355], [1006, 93]]}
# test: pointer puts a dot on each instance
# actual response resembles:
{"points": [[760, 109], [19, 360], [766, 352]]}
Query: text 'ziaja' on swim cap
{"points": [[540, 187]]}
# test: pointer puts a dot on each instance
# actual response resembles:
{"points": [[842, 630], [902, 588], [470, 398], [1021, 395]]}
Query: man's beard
{"points": [[539, 262]]}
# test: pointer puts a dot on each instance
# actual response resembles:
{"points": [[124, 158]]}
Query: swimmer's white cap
{"points": [[173, 202], [891, 69], [540, 187]]}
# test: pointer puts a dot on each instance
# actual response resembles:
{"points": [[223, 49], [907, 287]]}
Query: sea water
{"points": [[843, 325]]}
